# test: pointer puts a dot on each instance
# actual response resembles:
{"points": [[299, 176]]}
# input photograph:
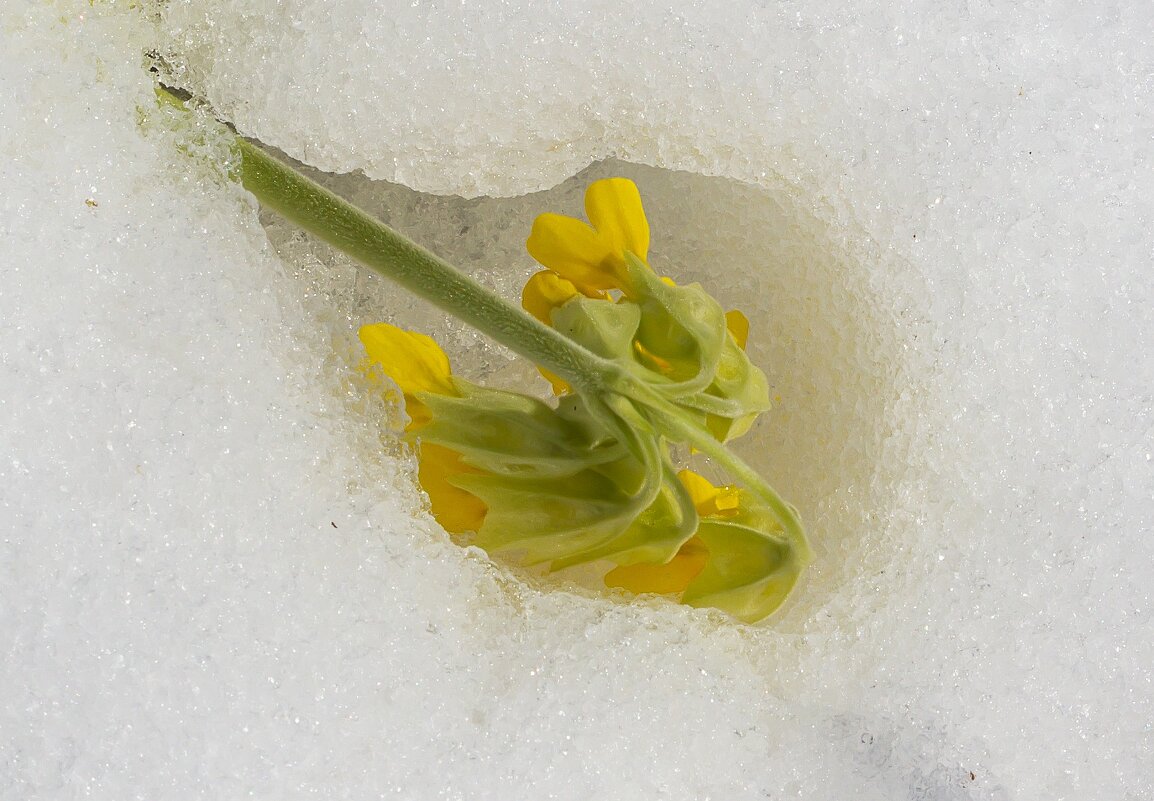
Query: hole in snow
{"points": [[829, 345]]}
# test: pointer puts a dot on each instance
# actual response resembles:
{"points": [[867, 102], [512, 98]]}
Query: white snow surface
{"points": [[217, 579]]}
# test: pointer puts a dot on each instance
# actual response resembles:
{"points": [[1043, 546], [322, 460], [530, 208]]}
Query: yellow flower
{"points": [[676, 574], [546, 291], [417, 365], [592, 255], [589, 259], [455, 509]]}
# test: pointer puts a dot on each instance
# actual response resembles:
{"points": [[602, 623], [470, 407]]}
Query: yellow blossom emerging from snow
{"points": [[417, 365]]}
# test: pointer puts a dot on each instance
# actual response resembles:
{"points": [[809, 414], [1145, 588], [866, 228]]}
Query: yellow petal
{"points": [[613, 206], [544, 292], [738, 325], [710, 501], [455, 509], [700, 490], [674, 576], [572, 249], [413, 360], [727, 502]]}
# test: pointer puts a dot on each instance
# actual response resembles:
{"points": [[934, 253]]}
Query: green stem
{"points": [[347, 228]]}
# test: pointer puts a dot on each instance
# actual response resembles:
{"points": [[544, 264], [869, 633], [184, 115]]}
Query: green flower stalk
{"points": [[637, 363]]}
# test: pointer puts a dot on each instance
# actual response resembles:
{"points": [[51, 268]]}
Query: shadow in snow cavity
{"points": [[828, 343]]}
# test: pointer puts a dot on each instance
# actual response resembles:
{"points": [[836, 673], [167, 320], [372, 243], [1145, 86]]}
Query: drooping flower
{"points": [[587, 260], [589, 476], [418, 366]]}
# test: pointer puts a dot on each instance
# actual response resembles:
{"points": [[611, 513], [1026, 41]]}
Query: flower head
{"points": [[587, 477], [738, 560]]}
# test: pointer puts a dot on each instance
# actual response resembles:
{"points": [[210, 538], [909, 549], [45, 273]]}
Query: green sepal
{"points": [[605, 328], [751, 568], [654, 536], [683, 337], [506, 433], [743, 386], [567, 485], [547, 519], [680, 335]]}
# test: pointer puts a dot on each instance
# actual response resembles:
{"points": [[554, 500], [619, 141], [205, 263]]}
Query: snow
{"points": [[216, 575]]}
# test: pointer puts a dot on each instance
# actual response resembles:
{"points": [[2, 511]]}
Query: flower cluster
{"points": [[588, 476]]}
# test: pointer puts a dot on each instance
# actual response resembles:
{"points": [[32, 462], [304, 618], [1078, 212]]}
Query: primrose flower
{"points": [[586, 260], [418, 366], [591, 256]]}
